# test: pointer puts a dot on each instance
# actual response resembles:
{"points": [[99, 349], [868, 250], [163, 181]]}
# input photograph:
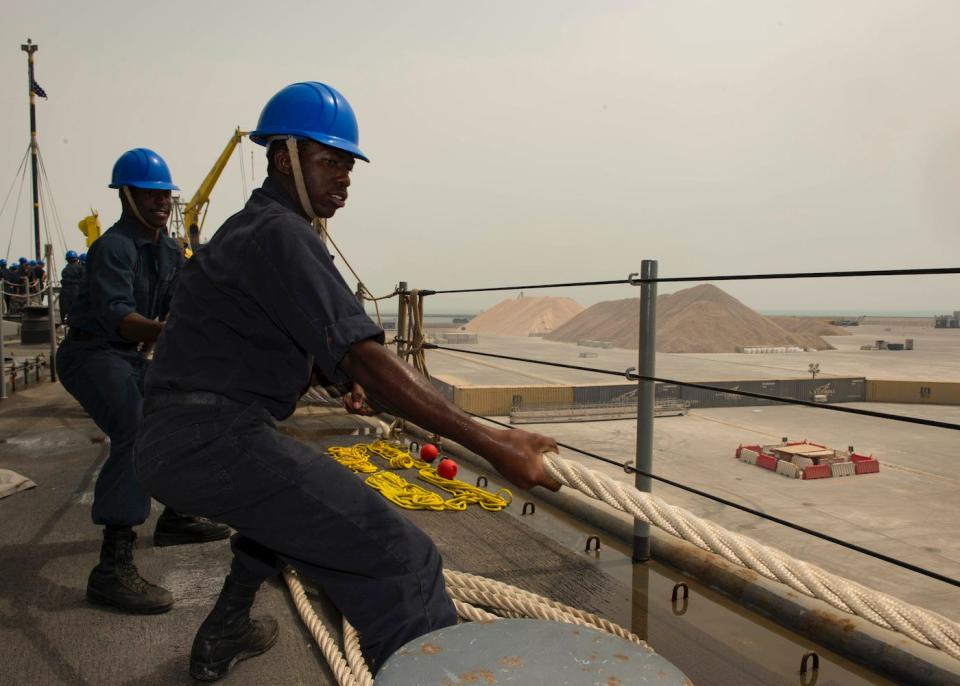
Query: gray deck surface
{"points": [[50, 635]]}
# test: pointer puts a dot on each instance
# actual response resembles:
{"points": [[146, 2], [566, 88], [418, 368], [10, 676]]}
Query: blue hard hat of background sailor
{"points": [[83, 257], [33, 263], [40, 263], [14, 267], [310, 110], [142, 168], [3, 262], [22, 260], [71, 255]]}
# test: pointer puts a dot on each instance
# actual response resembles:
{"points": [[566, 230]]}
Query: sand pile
{"points": [[810, 326], [525, 316], [702, 319]]}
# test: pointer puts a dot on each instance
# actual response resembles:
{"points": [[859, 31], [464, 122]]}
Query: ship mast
{"points": [[30, 47]]}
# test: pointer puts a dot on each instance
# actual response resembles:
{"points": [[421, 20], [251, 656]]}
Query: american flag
{"points": [[37, 90]]}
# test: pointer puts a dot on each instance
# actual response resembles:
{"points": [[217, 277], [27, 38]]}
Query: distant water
{"points": [[447, 319], [852, 313]]}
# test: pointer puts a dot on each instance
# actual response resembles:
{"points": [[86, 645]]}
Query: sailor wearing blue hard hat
{"points": [[38, 276], [70, 279], [259, 307], [121, 304], [6, 284]]}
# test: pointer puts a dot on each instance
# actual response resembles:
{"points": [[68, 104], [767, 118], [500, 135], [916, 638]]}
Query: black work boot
{"points": [[174, 528], [228, 635], [115, 581]]}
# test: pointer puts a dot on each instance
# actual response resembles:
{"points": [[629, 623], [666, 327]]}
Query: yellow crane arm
{"points": [[192, 222], [90, 227]]}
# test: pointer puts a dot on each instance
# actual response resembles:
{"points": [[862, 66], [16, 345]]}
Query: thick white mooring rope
{"points": [[342, 671], [924, 626], [500, 596], [348, 665], [884, 610]]}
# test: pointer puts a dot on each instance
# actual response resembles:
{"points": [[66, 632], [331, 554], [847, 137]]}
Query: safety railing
{"points": [[645, 376], [21, 301]]}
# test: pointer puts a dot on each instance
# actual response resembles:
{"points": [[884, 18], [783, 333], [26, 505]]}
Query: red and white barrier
{"points": [[843, 469], [817, 471]]}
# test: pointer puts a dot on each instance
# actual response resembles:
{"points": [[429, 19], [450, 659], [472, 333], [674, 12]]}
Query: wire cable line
{"points": [[627, 467], [636, 280], [21, 172]]}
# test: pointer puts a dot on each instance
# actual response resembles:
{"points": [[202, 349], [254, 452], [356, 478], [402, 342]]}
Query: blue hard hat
{"points": [[142, 168], [3, 262], [40, 263], [33, 263], [14, 267], [310, 110], [83, 257], [71, 255], [22, 260]]}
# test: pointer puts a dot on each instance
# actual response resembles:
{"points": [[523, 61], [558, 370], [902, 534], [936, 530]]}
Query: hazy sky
{"points": [[520, 142]]}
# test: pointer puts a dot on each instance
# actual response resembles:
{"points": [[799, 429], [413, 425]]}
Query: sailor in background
{"points": [[117, 316], [70, 279], [39, 276], [256, 309], [6, 284]]}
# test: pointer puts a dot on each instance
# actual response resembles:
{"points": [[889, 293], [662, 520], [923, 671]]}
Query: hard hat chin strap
{"points": [[298, 180], [136, 210]]}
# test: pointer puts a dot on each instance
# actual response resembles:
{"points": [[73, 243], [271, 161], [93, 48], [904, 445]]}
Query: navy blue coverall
{"points": [[70, 279], [255, 309], [126, 272]]}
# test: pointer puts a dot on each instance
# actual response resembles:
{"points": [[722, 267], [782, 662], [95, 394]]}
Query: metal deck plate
{"points": [[526, 651]]}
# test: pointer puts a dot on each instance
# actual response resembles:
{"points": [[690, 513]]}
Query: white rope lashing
{"points": [[924, 626], [349, 667]]}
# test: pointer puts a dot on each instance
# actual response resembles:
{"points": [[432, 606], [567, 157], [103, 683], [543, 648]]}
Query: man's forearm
{"points": [[399, 388], [136, 327]]}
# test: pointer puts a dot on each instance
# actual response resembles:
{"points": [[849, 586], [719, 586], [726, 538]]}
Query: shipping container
{"points": [[604, 393], [928, 392], [499, 400], [445, 389], [834, 390]]}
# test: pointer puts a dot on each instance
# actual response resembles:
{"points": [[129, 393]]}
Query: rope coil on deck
{"points": [[349, 667], [924, 626]]}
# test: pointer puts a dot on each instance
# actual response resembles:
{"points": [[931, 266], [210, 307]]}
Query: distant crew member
{"points": [[31, 277], [253, 310], [118, 314], [7, 282], [83, 259], [40, 277], [70, 279], [23, 278]]}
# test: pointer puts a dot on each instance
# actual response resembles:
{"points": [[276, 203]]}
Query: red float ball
{"points": [[429, 452], [447, 468]]}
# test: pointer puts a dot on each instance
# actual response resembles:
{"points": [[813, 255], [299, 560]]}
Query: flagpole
{"points": [[30, 47]]}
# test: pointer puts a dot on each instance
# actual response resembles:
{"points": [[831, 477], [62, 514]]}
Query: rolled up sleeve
{"points": [[293, 278], [111, 283]]}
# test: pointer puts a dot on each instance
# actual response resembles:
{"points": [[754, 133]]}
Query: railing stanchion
{"points": [[645, 399]]}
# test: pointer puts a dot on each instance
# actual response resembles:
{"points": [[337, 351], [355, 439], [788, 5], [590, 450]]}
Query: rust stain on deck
{"points": [[478, 676]]}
